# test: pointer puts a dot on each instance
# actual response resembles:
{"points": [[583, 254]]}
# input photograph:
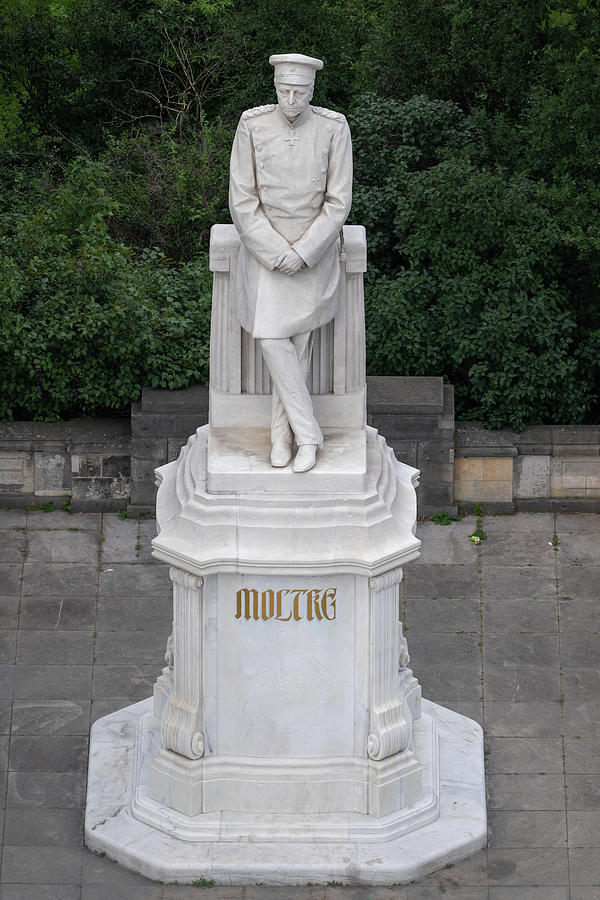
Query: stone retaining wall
{"points": [[108, 464], [545, 467], [83, 462]]}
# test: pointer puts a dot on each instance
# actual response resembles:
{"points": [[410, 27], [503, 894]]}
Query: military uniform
{"points": [[291, 184], [290, 187]]}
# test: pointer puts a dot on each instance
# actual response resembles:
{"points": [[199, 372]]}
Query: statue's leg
{"points": [[281, 429], [288, 375], [304, 347], [280, 426]]}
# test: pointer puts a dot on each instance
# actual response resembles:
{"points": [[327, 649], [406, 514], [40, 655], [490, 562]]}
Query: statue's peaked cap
{"points": [[295, 68]]}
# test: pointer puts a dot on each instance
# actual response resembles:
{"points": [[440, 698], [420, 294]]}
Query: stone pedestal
{"points": [[287, 718], [287, 741]]}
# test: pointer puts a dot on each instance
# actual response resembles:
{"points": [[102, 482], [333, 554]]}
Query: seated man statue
{"points": [[290, 194]]}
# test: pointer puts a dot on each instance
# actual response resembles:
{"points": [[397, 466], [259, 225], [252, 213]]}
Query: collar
{"points": [[299, 121]]}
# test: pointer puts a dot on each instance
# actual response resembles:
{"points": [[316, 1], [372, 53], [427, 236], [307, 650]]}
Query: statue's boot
{"points": [[281, 453], [306, 457]]}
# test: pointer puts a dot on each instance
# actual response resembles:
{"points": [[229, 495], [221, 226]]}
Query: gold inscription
{"points": [[286, 605]]}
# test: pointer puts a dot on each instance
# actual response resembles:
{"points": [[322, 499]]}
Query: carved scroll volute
{"points": [[180, 723], [390, 717]]}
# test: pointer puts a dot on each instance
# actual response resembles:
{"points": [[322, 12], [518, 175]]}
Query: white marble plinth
{"points": [[368, 531], [238, 460], [447, 823], [286, 741]]}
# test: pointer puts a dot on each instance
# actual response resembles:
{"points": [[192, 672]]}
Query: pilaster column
{"points": [[391, 719], [181, 726]]}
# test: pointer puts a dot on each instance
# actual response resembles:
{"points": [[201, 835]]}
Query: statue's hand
{"points": [[290, 263]]}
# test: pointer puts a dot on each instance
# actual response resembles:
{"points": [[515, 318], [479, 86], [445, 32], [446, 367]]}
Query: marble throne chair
{"points": [[240, 385]]}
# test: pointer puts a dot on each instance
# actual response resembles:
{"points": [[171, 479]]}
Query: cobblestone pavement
{"points": [[506, 632]]}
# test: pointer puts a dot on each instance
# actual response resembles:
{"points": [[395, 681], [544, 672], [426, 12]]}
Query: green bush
{"points": [[85, 322], [390, 141], [170, 191], [472, 263], [476, 177]]}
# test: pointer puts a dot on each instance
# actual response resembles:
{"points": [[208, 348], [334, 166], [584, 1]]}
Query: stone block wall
{"points": [[416, 417], [488, 479], [160, 425], [85, 462], [545, 467], [108, 464]]}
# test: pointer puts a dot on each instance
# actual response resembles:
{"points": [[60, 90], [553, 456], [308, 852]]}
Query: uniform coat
{"points": [[290, 184]]}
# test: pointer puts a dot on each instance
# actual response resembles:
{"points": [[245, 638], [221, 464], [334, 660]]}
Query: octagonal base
{"points": [[448, 824]]}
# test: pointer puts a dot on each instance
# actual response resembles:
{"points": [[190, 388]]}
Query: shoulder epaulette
{"points": [[258, 111], [329, 113]]}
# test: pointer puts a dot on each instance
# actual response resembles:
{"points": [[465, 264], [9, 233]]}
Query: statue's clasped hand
{"points": [[290, 263]]}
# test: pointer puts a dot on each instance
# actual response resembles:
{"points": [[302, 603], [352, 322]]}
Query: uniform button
{"points": [[261, 165], [259, 147], [268, 207]]}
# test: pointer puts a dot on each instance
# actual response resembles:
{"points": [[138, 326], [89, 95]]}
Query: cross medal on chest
{"points": [[293, 138]]}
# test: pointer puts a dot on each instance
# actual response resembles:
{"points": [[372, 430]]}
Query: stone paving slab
{"points": [[120, 539], [579, 683], [452, 616], [40, 789], [524, 616], [12, 518], [526, 828], [75, 613], [519, 549], [48, 717], [522, 682], [63, 546], [507, 632], [13, 546], [9, 612]]}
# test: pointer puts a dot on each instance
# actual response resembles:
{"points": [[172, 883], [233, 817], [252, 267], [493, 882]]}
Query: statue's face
{"points": [[293, 99]]}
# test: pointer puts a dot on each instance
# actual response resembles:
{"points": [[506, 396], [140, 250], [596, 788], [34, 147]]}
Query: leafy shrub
{"points": [[391, 140], [170, 191], [472, 264], [84, 323]]}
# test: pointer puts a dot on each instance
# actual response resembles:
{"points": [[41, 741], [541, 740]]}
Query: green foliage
{"points": [[170, 192], [479, 534], [476, 131], [478, 54], [444, 518], [85, 324], [471, 264], [203, 883], [391, 140]]}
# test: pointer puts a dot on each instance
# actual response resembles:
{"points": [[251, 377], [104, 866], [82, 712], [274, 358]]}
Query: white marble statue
{"points": [[287, 741], [290, 194]]}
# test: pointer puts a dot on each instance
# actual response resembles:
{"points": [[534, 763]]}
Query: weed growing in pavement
{"points": [[444, 518], [479, 534]]}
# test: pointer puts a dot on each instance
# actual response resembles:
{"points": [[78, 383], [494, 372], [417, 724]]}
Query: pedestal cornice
{"points": [[365, 533]]}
